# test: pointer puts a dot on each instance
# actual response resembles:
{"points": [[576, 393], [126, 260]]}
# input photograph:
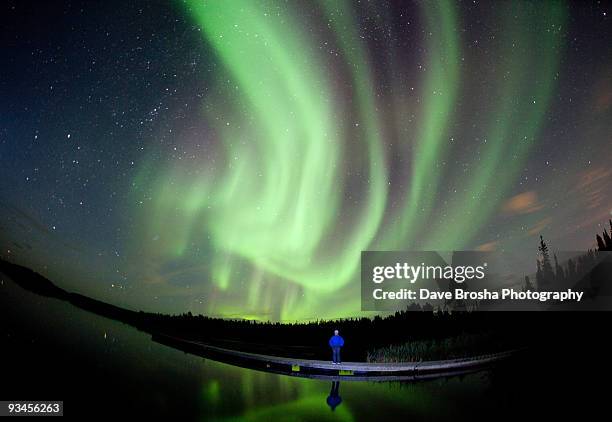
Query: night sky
{"points": [[233, 158]]}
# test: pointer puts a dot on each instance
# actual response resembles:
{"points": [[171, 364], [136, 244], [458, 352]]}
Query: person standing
{"points": [[336, 342]]}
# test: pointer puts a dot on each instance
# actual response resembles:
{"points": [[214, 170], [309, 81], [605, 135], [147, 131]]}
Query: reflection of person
{"points": [[334, 399], [336, 342]]}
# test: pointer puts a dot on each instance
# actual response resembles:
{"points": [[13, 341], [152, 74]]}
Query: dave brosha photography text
{"points": [[459, 274]]}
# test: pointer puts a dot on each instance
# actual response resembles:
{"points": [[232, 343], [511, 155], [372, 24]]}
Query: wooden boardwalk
{"points": [[325, 369]]}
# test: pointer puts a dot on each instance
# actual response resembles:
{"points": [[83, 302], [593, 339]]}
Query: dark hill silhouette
{"points": [[32, 281], [36, 283]]}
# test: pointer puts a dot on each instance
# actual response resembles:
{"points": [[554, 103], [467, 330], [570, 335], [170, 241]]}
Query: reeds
{"points": [[461, 346]]}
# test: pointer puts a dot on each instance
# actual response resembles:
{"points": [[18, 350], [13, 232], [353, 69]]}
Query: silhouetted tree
{"points": [[600, 243], [559, 273], [546, 271], [605, 243], [571, 269], [539, 281]]}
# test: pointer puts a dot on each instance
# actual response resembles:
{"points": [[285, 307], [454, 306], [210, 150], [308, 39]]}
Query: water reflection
{"points": [[119, 363], [334, 399]]}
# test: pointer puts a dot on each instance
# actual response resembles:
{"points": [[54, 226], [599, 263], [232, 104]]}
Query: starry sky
{"points": [[233, 158]]}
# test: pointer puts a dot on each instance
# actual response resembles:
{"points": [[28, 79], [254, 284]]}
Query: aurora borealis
{"points": [[233, 158]]}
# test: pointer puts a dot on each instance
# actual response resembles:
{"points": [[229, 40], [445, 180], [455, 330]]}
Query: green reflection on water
{"points": [[168, 379]]}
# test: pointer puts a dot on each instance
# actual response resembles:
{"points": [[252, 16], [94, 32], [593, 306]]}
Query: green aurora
{"points": [[305, 165]]}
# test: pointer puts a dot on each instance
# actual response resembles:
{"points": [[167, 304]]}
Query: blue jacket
{"points": [[336, 341]]}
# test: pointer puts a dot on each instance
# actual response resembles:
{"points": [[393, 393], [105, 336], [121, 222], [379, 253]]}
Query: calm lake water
{"points": [[53, 350]]}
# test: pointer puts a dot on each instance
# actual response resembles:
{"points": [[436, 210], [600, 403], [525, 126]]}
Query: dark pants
{"points": [[336, 354]]}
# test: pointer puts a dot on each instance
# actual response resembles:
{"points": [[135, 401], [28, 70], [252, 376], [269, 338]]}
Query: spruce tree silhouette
{"points": [[544, 275], [559, 273], [600, 243], [605, 243]]}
